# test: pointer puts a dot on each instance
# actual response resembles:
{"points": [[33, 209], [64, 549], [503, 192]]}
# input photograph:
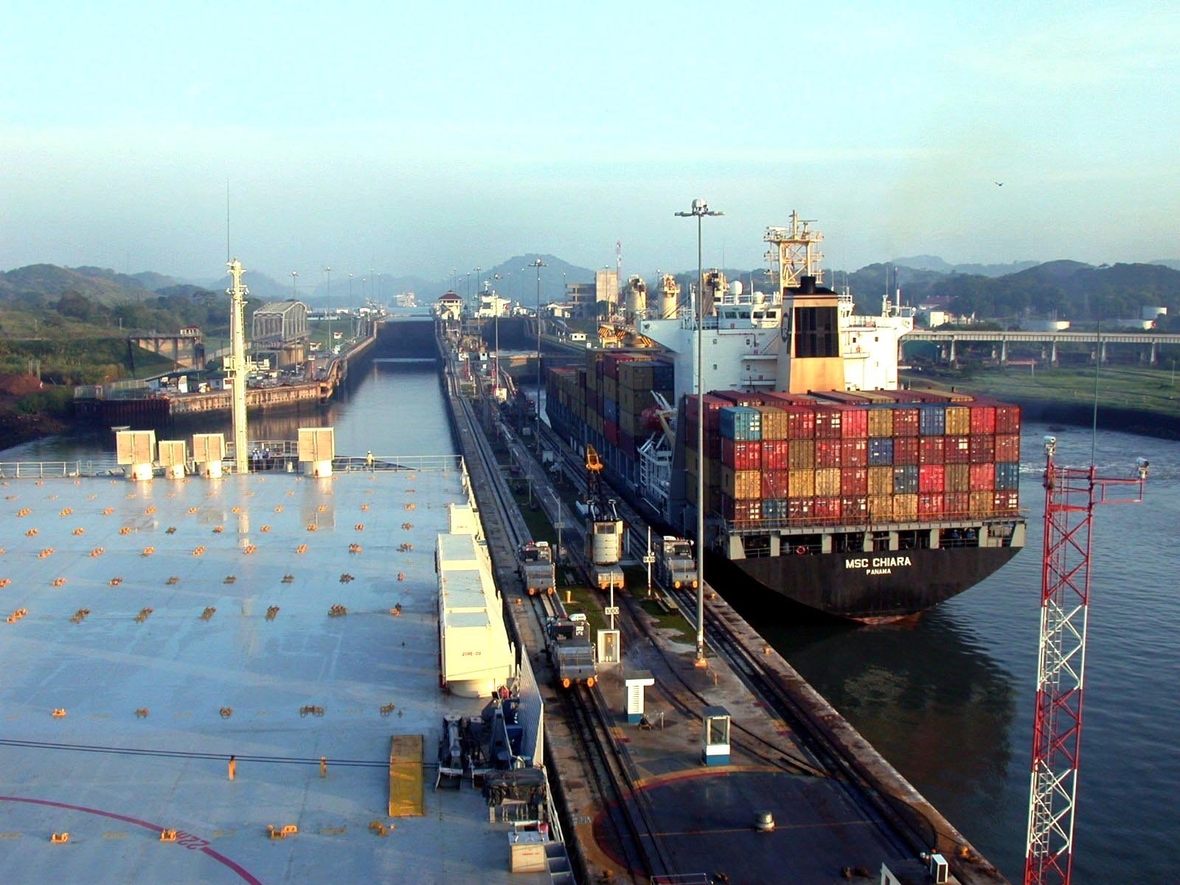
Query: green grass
{"points": [[1127, 387]]}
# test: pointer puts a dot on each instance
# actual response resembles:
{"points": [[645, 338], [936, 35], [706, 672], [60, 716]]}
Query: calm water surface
{"points": [[947, 699]]}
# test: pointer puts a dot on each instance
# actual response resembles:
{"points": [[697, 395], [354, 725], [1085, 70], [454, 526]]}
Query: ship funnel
{"points": [[809, 355]]}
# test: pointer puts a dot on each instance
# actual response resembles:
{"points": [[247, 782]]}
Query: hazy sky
{"points": [[421, 138]]}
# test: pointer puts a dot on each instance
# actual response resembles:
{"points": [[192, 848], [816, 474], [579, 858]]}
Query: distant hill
{"points": [[40, 282], [936, 264]]}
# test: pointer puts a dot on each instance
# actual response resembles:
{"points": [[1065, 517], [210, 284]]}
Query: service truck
{"points": [[570, 650], [536, 567]]}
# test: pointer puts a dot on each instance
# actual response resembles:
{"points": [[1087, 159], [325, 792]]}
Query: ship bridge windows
{"points": [[882, 541]]}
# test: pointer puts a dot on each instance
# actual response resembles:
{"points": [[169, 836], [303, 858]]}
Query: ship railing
{"points": [[804, 523], [57, 469]]}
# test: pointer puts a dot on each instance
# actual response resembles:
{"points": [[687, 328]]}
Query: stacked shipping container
{"points": [[827, 458], [830, 459]]}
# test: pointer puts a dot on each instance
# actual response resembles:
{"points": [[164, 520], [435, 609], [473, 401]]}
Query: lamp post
{"points": [[538, 264], [328, 299], [699, 210]]}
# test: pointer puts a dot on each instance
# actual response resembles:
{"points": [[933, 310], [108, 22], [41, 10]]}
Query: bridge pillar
{"points": [[952, 357], [1053, 352], [1003, 351], [1102, 352], [1154, 354]]}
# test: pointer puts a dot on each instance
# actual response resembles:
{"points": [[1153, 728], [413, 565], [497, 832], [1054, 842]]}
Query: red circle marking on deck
{"points": [[216, 855]]}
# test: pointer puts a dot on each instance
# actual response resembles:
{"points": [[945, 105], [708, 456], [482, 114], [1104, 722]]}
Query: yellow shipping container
{"points": [[880, 480], [905, 506], [741, 485], [881, 506], [801, 484], [881, 423], [982, 502], [801, 454], [827, 482], [958, 478], [958, 420], [774, 423]]}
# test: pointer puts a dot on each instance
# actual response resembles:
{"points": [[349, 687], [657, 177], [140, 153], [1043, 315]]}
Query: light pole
{"points": [[294, 287], [538, 264], [699, 210]]}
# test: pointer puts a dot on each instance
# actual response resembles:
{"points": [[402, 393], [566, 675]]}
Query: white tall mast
{"points": [[237, 367]]}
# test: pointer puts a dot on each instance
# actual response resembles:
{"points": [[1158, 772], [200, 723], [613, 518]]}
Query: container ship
{"points": [[823, 481]]}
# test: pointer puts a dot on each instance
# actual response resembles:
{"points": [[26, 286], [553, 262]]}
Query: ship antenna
{"points": [[228, 254], [1097, 367]]}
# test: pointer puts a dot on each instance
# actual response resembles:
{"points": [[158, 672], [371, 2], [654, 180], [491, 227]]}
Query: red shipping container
{"points": [[800, 508], [713, 407], [774, 483], [905, 422], [775, 454], [611, 431], [854, 508], [741, 510], [1007, 445], [931, 450], [828, 423], [827, 452], [983, 477], [1007, 419], [957, 450], [800, 422], [854, 453], [905, 450], [956, 503], [931, 503], [854, 481], [827, 508], [931, 478], [983, 418], [741, 455], [856, 423], [982, 449], [1007, 500]]}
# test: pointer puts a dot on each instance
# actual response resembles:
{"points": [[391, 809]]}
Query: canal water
{"points": [[947, 699]]}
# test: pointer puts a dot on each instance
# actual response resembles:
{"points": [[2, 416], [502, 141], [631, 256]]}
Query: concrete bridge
{"points": [[1147, 343]]}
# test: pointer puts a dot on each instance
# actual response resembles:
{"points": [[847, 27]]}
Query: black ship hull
{"points": [[866, 587]]}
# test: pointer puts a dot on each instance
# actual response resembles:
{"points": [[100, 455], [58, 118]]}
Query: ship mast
{"points": [[796, 252], [237, 366]]}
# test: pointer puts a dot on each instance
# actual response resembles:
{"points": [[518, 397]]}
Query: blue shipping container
{"points": [[741, 424], [932, 420], [774, 508], [1007, 476], [905, 480], [880, 452]]}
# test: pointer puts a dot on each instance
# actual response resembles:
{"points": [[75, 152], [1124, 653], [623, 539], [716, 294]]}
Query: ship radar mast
{"points": [[795, 254], [237, 366]]}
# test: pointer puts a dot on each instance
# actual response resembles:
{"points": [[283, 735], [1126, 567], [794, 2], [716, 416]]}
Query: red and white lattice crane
{"points": [[1070, 496]]}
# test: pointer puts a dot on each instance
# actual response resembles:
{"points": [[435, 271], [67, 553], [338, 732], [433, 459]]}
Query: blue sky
{"points": [[415, 139]]}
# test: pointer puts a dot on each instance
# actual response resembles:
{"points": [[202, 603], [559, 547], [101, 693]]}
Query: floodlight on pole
{"points": [[700, 209], [538, 264]]}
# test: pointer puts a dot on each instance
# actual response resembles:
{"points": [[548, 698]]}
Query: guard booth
{"points": [[716, 735], [609, 650], [635, 681]]}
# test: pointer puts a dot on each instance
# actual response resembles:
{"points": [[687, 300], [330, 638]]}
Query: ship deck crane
{"points": [[1070, 496]]}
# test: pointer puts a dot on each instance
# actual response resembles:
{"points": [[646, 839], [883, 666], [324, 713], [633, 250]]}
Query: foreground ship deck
{"points": [[172, 624]]}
